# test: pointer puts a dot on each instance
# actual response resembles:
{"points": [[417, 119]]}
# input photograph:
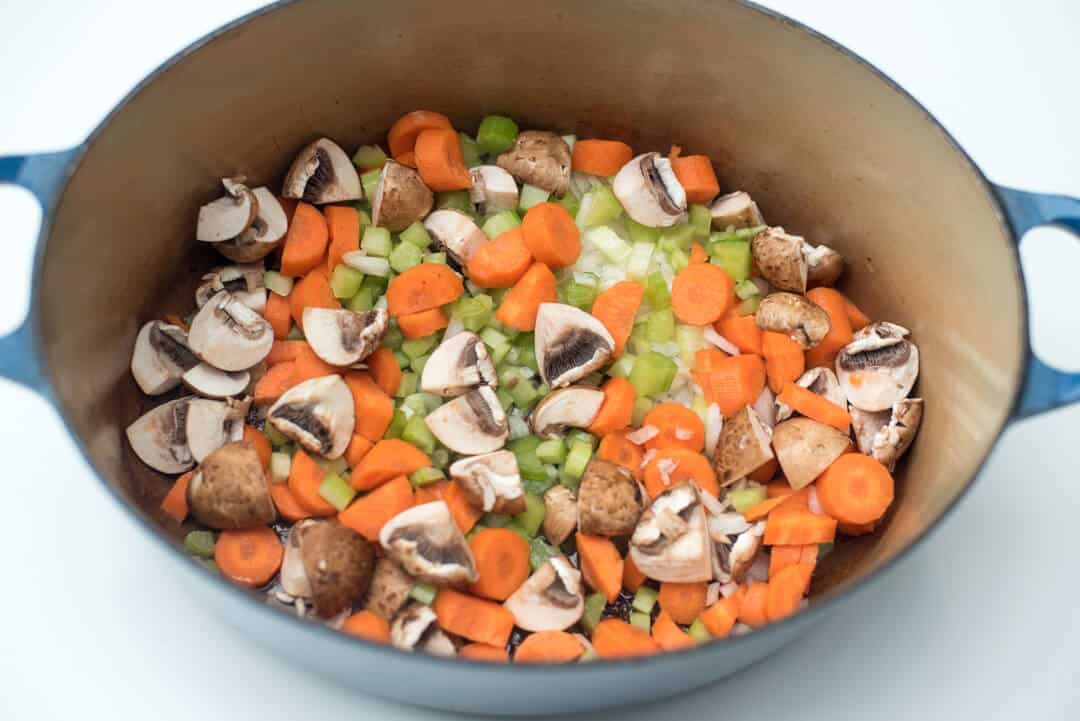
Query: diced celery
{"points": [[408, 385], [700, 221], [824, 549], [524, 449], [209, 564], [571, 203], [505, 399], [540, 552], [679, 259], [749, 306], [275, 282], [743, 499], [336, 491], [276, 437], [698, 632], [362, 210], [370, 181], [295, 333], [424, 476], [423, 593], [641, 233], [656, 291], [363, 299], [577, 458], [496, 134], [417, 364], [724, 236], [495, 520], [580, 295], [677, 237], [579, 436], [332, 465], [644, 599], [746, 289], [376, 242], [376, 283], [280, 465], [440, 458], [495, 340], [474, 312], [369, 265], [533, 515], [397, 424], [419, 346], [660, 327], [538, 488], [638, 342], [403, 360], [595, 603], [417, 433], [367, 157], [607, 241], [526, 357], [345, 281], [641, 620], [470, 153], [622, 366], [501, 222], [641, 408], [598, 207], [733, 257], [691, 339], [200, 544], [405, 256], [637, 266], [530, 196], [416, 234], [551, 451], [454, 200], [748, 233], [569, 481], [570, 140], [437, 258], [517, 528], [652, 373], [700, 406]]}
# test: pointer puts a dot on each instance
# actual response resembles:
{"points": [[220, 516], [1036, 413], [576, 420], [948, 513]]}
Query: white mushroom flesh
{"points": [[491, 481], [671, 542], [560, 513], [428, 544], [887, 435], [456, 233], [471, 424], [552, 599], [735, 210], [319, 414], [569, 343], [265, 234], [416, 628], [209, 382], [322, 173], [159, 437], [160, 358], [573, 407], [293, 577], [228, 335], [344, 337], [732, 561], [244, 282], [878, 368], [210, 424], [493, 189], [649, 191], [229, 215], [459, 363]]}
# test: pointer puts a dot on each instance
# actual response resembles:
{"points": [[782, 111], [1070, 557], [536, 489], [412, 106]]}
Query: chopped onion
{"points": [[720, 341], [813, 502], [765, 407], [714, 423], [666, 466], [454, 327], [712, 593], [727, 524], [711, 503], [683, 434], [643, 435], [367, 264], [729, 589], [648, 456]]}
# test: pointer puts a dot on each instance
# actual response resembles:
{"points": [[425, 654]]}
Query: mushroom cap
{"points": [[572, 407], [322, 173], [344, 337], [209, 382], [229, 215], [470, 424], [552, 599], [228, 335], [319, 414], [210, 424], [560, 513], [230, 489], [824, 265], [244, 282], [263, 236], [780, 259], [671, 544], [805, 447], [338, 562], [428, 544], [456, 233], [736, 210], [743, 447], [293, 577], [879, 367], [610, 501], [401, 198], [569, 343], [886, 435], [805, 322], [389, 589], [821, 381], [160, 357], [416, 627], [649, 191], [491, 482], [159, 437], [539, 158], [493, 189], [459, 363]]}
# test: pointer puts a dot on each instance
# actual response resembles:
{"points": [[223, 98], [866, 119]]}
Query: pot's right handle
{"points": [[1046, 388]]}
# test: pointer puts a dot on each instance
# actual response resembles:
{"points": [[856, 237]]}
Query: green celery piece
{"points": [[405, 256], [641, 620], [333, 465], [580, 295], [505, 399], [454, 200], [652, 373], [539, 488], [424, 476], [409, 383], [200, 543], [531, 195], [569, 481], [419, 346], [595, 603], [608, 242], [367, 157], [496, 134], [440, 458], [700, 221], [660, 326], [599, 207], [277, 438], [622, 367], [749, 306], [437, 258], [746, 289], [638, 342], [571, 203], [500, 222], [679, 259], [743, 499], [423, 593], [579, 436], [749, 233], [363, 299], [277, 283], [336, 491], [656, 291], [370, 181], [577, 458], [397, 425], [644, 599], [517, 528], [698, 632], [345, 281], [691, 339], [470, 153], [551, 451], [403, 360], [733, 257], [417, 433], [677, 237], [641, 233], [416, 234], [363, 209], [376, 284], [418, 364], [529, 466], [540, 552], [376, 241], [533, 515]]}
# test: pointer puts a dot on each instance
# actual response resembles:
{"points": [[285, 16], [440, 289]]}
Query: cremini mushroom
{"points": [[491, 482], [560, 513], [820, 381], [732, 559], [338, 562], [470, 424], [161, 357], [318, 414], [209, 382], [456, 233], [743, 447], [649, 191], [229, 215], [780, 259], [573, 407], [344, 337], [671, 544], [210, 424], [610, 501], [159, 437], [230, 489], [415, 628], [322, 173], [493, 189], [570, 344], [263, 236], [428, 544], [552, 599], [805, 447], [539, 158], [879, 367], [735, 210], [401, 198], [459, 363], [389, 589], [824, 265], [228, 335], [805, 322], [293, 577], [886, 435], [245, 282]]}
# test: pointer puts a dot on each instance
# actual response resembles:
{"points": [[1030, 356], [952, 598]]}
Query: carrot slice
{"points": [[175, 504], [311, 291], [742, 330], [798, 528], [632, 577], [840, 333], [384, 368], [440, 160], [473, 618], [761, 510], [668, 635], [856, 529], [855, 489], [549, 647], [600, 157], [305, 477], [683, 601], [502, 559], [522, 302], [551, 235], [708, 360], [305, 241], [261, 444], [357, 449], [369, 513], [733, 382], [423, 287], [249, 557], [283, 351], [615, 448], [403, 133], [781, 557], [696, 175], [752, 609], [277, 379], [343, 222], [367, 625], [422, 324], [688, 466], [615, 638], [500, 262], [617, 408], [784, 359], [278, 314], [601, 564], [701, 293], [720, 617], [813, 406], [465, 514], [484, 652], [616, 308], [390, 458], [856, 317], [678, 426], [372, 407], [286, 504], [786, 591]]}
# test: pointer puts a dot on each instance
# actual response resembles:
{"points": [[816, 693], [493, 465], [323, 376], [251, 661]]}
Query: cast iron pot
{"points": [[827, 145]]}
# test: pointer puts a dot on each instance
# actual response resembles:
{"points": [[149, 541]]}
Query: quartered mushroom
{"points": [[322, 173], [560, 514], [159, 437], [415, 628], [879, 367], [338, 563], [229, 215], [573, 407], [263, 236], [319, 414], [491, 482], [886, 435], [209, 382], [456, 233], [744, 446], [229, 335], [210, 424], [820, 381], [570, 344], [780, 259], [824, 266], [805, 447], [539, 158], [736, 210], [493, 189], [344, 337], [230, 489], [610, 501], [293, 577], [552, 599], [471, 424], [389, 589], [459, 363], [428, 544], [245, 282], [671, 544], [650, 192], [733, 559], [161, 357], [804, 322], [401, 198]]}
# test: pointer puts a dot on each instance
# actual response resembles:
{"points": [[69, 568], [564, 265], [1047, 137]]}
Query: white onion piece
{"points": [[765, 407], [643, 435], [813, 503], [712, 594], [758, 528], [519, 427], [729, 589], [666, 466], [683, 434], [648, 456], [727, 524], [712, 503], [714, 423], [720, 341]]}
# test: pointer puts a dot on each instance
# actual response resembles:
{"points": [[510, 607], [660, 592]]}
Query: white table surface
{"points": [[978, 623]]}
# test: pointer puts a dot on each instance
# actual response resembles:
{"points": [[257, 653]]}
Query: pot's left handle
{"points": [[43, 175]]}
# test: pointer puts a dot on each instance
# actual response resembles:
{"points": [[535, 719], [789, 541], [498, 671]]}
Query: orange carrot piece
{"points": [[616, 308], [372, 407], [781, 557], [549, 647], [249, 557], [601, 564], [388, 459], [784, 359], [440, 160], [708, 360], [522, 302], [617, 409], [689, 466], [733, 383], [701, 293], [697, 177], [742, 330], [289, 206], [311, 291], [600, 157], [423, 287], [286, 504], [765, 472], [175, 504], [502, 559], [779, 488], [752, 607], [855, 489], [632, 577], [305, 477], [668, 635], [403, 133], [501, 261], [840, 333], [551, 235], [786, 591], [615, 448], [856, 317], [720, 617], [698, 253], [678, 426], [799, 528], [367, 625], [484, 652], [384, 368], [817, 407], [369, 513], [683, 601], [343, 222], [422, 324], [277, 379], [305, 241], [615, 638], [465, 514], [283, 351], [278, 314], [261, 444], [358, 448], [431, 492], [761, 510], [473, 618]]}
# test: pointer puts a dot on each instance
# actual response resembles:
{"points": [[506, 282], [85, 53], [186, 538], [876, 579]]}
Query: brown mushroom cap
{"points": [[610, 501], [389, 589], [805, 448], [560, 514], [338, 562], [401, 198], [805, 322], [743, 446], [539, 158], [230, 489], [780, 259], [824, 265]]}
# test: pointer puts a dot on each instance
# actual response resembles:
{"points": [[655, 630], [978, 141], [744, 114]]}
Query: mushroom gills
{"points": [[416, 628], [539, 158], [649, 191], [344, 337], [491, 482], [229, 335], [569, 344], [573, 407], [470, 424], [244, 282], [210, 424], [493, 189], [551, 599], [671, 544], [886, 435], [732, 560], [401, 198], [229, 215], [319, 414], [263, 236], [735, 210], [428, 544], [459, 363], [804, 322], [161, 357], [159, 437], [322, 173], [456, 233], [879, 367], [230, 489]]}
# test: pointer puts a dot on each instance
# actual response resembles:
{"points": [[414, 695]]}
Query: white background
{"points": [[979, 623]]}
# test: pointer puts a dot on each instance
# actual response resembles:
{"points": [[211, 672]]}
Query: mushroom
{"points": [[338, 562], [570, 344], [560, 514], [491, 482], [244, 282], [228, 335], [293, 577], [671, 544], [821, 381], [428, 544], [459, 363], [415, 628], [539, 158], [735, 210], [161, 357], [401, 198], [229, 215], [318, 414], [610, 501], [159, 437], [573, 407], [732, 560], [209, 382], [886, 435], [805, 447], [805, 322], [493, 189], [210, 424], [230, 489], [744, 446], [344, 337], [824, 265], [322, 173], [650, 192], [780, 259], [456, 233], [389, 589], [552, 599], [879, 367], [470, 424], [263, 236]]}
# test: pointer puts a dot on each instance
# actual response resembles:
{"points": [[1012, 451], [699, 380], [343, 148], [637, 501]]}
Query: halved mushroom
{"points": [[209, 382], [824, 265], [293, 577], [456, 233], [732, 560], [230, 489], [428, 544], [744, 446], [610, 501], [821, 381], [265, 234], [886, 435], [493, 189], [338, 562], [401, 198], [470, 424], [228, 335], [159, 437], [573, 407], [229, 215], [245, 282], [671, 544], [539, 158], [805, 322], [318, 414], [389, 589], [415, 628], [570, 344], [161, 357], [780, 259], [560, 513], [322, 173], [736, 210], [491, 482], [879, 367], [459, 363], [805, 448], [210, 424], [650, 192], [552, 599], [344, 337]]}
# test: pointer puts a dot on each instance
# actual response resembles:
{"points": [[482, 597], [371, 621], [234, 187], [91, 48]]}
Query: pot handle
{"points": [[43, 175], [1046, 388]]}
